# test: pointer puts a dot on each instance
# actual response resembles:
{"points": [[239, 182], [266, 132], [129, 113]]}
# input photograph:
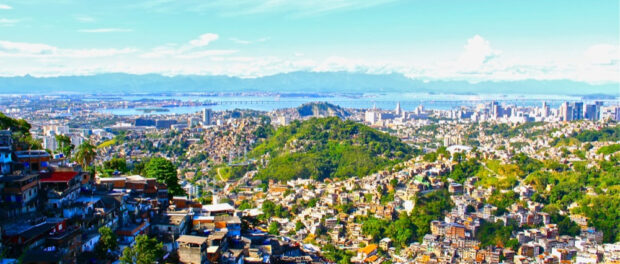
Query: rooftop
{"points": [[31, 154], [218, 207], [60, 176], [192, 239], [368, 249]]}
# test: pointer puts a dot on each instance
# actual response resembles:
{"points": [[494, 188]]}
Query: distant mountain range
{"points": [[295, 82]]}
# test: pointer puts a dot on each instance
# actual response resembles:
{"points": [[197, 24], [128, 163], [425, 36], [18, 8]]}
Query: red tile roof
{"points": [[60, 176]]}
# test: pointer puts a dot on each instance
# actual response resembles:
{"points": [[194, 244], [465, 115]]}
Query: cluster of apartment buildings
{"points": [[496, 112]]}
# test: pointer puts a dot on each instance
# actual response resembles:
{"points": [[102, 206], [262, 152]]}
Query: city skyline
{"points": [[496, 41]]}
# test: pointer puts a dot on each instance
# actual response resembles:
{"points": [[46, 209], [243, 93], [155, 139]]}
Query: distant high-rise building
{"points": [[398, 111], [544, 110], [371, 116], [566, 112], [496, 110], [419, 110], [144, 122], [192, 122], [283, 120], [164, 123], [591, 112], [49, 142], [206, 116], [610, 112], [577, 110]]}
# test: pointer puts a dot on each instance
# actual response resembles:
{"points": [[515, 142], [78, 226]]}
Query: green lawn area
{"points": [[108, 143], [500, 175]]}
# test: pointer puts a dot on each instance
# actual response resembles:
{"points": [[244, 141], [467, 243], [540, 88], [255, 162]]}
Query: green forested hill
{"points": [[322, 148]]}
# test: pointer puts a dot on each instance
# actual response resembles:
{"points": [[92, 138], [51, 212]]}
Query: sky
{"points": [[429, 40]]}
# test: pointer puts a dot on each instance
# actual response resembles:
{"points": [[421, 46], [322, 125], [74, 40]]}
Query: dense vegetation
{"points": [[605, 134], [412, 227], [497, 234], [606, 150], [22, 139], [145, 250], [428, 208], [226, 172], [558, 186], [590, 185], [165, 172], [322, 148]]}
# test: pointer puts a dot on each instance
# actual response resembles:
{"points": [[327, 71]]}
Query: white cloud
{"points": [[204, 40], [603, 54], [477, 61], [206, 53], [92, 53], [105, 30], [84, 18], [5, 7], [26, 48], [293, 8], [477, 52], [193, 49], [38, 50], [247, 42], [161, 51], [8, 22]]}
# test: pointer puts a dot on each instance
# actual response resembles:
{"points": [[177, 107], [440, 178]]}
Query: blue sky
{"points": [[459, 39]]}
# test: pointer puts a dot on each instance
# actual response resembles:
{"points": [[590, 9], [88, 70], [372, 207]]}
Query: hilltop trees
{"points": [[165, 172], [145, 251], [322, 148], [21, 132]]}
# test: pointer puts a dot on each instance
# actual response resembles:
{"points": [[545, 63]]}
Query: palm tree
{"points": [[85, 154]]}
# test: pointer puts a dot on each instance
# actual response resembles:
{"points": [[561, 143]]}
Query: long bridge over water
{"points": [[385, 102]]}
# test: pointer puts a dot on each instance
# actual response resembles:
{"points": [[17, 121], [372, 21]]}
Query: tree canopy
{"points": [[145, 251], [165, 172], [21, 132], [64, 145], [107, 243], [85, 154], [322, 148]]}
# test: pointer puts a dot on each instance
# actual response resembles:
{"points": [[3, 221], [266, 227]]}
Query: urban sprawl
{"points": [[493, 183]]}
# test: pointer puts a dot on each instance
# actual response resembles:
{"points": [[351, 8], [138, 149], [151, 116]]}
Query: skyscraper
{"points": [[577, 110], [206, 116], [591, 112], [398, 111], [544, 110], [566, 112], [495, 110]]}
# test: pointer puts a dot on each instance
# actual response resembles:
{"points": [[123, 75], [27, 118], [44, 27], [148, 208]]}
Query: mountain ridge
{"points": [[293, 82]]}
